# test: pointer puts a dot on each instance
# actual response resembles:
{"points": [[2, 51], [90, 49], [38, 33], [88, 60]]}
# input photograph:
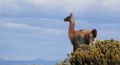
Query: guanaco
{"points": [[80, 36]]}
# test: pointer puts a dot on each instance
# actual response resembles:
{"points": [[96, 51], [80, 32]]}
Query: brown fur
{"points": [[80, 36]]}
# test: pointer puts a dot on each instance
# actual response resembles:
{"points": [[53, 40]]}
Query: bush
{"points": [[105, 52]]}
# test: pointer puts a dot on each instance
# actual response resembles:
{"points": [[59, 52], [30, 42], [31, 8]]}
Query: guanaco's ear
{"points": [[94, 33], [71, 14]]}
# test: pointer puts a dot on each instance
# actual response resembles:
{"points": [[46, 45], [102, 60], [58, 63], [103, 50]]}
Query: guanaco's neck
{"points": [[72, 26]]}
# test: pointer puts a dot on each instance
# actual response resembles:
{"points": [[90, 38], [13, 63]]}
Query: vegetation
{"points": [[105, 52]]}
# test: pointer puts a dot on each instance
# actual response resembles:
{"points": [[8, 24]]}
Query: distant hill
{"points": [[37, 62]]}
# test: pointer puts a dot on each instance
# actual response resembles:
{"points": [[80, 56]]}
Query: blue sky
{"points": [[34, 29]]}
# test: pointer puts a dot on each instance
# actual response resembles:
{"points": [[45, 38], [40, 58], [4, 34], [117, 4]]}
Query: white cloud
{"points": [[7, 6], [72, 5], [76, 4], [113, 5], [82, 8], [11, 25]]}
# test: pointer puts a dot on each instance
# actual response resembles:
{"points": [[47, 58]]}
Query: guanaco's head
{"points": [[68, 18]]}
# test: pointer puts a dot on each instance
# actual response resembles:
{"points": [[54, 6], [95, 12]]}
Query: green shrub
{"points": [[105, 52]]}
